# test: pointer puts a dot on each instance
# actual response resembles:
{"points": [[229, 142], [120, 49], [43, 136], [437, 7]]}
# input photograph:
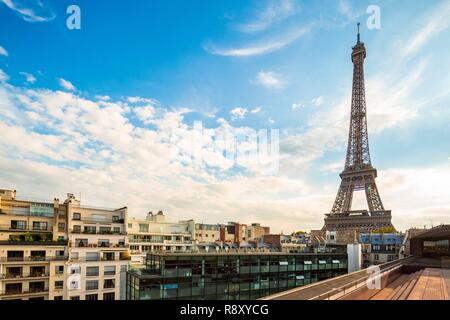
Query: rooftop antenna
{"points": [[358, 33]]}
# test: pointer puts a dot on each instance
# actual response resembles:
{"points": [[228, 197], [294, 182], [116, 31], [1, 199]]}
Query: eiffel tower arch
{"points": [[358, 174]]}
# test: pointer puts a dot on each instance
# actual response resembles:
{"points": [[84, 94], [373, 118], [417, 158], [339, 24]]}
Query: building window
{"points": [[116, 230], [92, 256], [91, 297], [75, 269], [74, 255], [59, 269], [38, 225], [130, 225], [91, 284], [61, 227], [59, 285], [75, 298], [108, 256], [18, 225], [90, 230], [109, 284], [109, 296], [376, 257], [115, 219], [58, 298], [76, 229], [103, 243], [74, 285], [110, 270], [105, 230], [92, 271], [76, 216], [143, 227]]}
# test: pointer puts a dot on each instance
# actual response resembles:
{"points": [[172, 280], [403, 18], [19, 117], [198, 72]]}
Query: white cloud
{"points": [[135, 100], [255, 110], [438, 21], [30, 12], [3, 75], [28, 77], [258, 48], [318, 101], [3, 52], [273, 12], [298, 105], [66, 84], [145, 113], [103, 98], [268, 79], [238, 113], [271, 121]]}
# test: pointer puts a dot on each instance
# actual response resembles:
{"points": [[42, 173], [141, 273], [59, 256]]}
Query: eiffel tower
{"points": [[358, 174]]}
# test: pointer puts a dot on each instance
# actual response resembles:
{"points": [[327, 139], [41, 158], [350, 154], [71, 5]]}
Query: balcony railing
{"points": [[24, 275], [8, 227], [161, 241], [121, 233], [100, 221], [33, 259], [95, 245], [84, 259], [22, 292]]}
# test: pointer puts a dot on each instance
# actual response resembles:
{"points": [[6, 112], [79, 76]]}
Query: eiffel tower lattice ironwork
{"points": [[358, 174]]}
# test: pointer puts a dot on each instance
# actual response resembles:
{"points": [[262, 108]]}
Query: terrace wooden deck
{"points": [[427, 284]]}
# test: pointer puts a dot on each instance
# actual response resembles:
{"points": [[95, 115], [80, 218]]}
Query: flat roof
{"points": [[197, 254]]}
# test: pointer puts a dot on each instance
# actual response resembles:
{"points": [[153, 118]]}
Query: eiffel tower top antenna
{"points": [[358, 33]]}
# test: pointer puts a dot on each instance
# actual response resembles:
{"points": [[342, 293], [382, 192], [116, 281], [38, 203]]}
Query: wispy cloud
{"points": [[103, 98], [3, 52], [66, 84], [297, 105], [258, 48], [437, 21], [37, 12], [255, 110], [268, 79], [318, 101], [274, 12], [238, 113], [28, 77], [3, 75]]}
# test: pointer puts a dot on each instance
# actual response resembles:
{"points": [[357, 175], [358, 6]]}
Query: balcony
{"points": [[103, 245], [33, 259], [8, 227], [24, 292], [99, 232], [100, 221], [16, 276]]}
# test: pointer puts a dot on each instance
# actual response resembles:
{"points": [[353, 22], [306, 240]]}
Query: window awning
{"points": [[336, 261], [307, 262], [283, 263], [322, 262], [300, 277]]}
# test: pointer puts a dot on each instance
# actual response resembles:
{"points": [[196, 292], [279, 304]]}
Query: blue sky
{"points": [[114, 99]]}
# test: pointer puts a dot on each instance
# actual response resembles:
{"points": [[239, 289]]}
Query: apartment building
{"points": [[155, 234], [379, 248], [208, 232], [98, 251], [232, 232], [255, 232], [33, 248], [286, 243]]}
